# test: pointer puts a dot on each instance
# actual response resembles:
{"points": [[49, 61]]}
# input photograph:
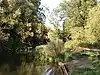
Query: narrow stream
{"points": [[49, 71], [62, 70]]}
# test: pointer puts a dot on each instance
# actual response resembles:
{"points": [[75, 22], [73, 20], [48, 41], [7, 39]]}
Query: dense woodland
{"points": [[27, 45]]}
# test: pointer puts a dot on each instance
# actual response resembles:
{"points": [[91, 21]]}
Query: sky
{"points": [[51, 4]]}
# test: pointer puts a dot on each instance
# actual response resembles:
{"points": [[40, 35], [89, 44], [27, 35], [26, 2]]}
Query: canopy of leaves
{"points": [[21, 29]]}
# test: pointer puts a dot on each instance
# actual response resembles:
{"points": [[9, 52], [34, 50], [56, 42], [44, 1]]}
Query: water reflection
{"points": [[59, 70], [49, 71]]}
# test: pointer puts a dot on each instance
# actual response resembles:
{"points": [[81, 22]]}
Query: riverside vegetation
{"points": [[28, 47]]}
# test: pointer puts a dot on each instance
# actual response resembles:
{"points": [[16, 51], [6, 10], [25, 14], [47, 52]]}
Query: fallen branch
{"points": [[80, 49]]}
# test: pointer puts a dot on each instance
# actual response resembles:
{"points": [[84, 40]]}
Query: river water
{"points": [[49, 71], [61, 70]]}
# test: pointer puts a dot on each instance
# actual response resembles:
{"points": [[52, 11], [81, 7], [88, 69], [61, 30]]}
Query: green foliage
{"points": [[55, 47], [92, 27], [78, 21], [52, 53], [22, 33], [21, 29], [40, 55]]}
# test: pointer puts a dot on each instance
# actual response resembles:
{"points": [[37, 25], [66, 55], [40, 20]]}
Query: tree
{"points": [[57, 18], [77, 19], [78, 11], [93, 28], [20, 22], [72, 14]]}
